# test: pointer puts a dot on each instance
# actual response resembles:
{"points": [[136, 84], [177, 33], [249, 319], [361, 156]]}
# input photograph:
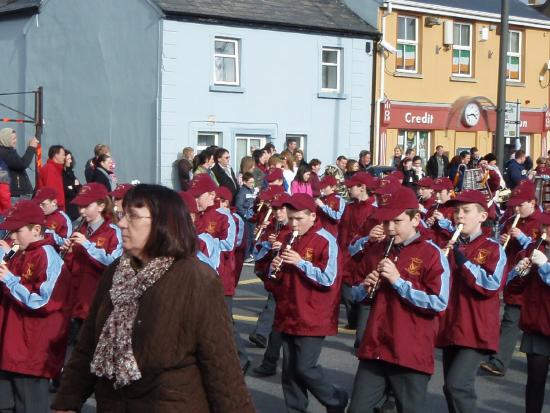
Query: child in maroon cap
{"points": [[58, 223], [34, 315]]}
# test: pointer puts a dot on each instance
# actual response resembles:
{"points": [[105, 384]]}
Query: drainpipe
{"points": [[376, 137]]}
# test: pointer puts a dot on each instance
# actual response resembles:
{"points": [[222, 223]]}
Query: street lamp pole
{"points": [[501, 99]]}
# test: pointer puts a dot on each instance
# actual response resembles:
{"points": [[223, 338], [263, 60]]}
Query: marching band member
{"points": [[440, 215], [469, 327], [412, 276], [118, 196], [307, 295], [523, 200], [34, 315], [331, 206], [425, 193], [58, 223], [532, 277]]}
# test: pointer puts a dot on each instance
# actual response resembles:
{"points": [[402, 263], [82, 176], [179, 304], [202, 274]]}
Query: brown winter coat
{"points": [[183, 344]]}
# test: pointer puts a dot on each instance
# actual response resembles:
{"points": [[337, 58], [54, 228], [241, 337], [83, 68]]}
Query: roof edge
{"points": [[209, 19], [25, 11]]}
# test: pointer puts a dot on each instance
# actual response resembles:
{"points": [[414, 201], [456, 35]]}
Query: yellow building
{"points": [[437, 77]]}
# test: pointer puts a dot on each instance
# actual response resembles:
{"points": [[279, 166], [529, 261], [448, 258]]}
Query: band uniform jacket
{"points": [[263, 250], [330, 214], [58, 226], [403, 322], [34, 312]]}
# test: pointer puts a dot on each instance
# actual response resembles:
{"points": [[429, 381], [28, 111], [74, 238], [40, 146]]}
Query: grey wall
{"points": [[98, 63], [366, 9]]}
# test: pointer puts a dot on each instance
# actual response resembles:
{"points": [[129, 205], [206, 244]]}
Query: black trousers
{"points": [[509, 334], [23, 394], [301, 374], [369, 388]]}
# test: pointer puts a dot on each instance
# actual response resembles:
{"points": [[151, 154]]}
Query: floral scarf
{"points": [[114, 357]]}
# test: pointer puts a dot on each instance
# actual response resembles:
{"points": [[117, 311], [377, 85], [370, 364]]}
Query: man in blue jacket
{"points": [[515, 169]]}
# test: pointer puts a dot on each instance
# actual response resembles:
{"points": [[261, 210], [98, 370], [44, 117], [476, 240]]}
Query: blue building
{"points": [[152, 77]]}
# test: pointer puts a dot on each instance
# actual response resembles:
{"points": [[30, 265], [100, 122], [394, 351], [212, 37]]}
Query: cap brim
{"points": [[454, 202], [513, 202], [387, 214], [350, 183], [12, 225]]}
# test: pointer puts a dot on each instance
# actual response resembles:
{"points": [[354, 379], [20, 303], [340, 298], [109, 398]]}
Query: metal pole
{"points": [[501, 99], [38, 122]]}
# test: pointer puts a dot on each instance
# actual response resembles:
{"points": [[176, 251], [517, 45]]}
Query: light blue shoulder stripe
{"points": [[328, 276], [358, 293], [213, 258], [34, 300], [261, 249], [335, 214], [69, 224], [240, 234], [100, 254], [524, 240], [446, 224], [544, 273], [422, 299], [229, 243], [490, 282], [358, 245]]}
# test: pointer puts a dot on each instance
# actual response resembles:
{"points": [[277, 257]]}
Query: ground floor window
{"points": [[301, 139], [417, 140], [513, 144], [245, 145], [206, 139]]}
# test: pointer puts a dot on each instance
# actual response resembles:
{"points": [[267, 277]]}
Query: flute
{"points": [[375, 287], [9, 255], [455, 236], [526, 270], [514, 224], [77, 229], [260, 205], [265, 221], [287, 247]]}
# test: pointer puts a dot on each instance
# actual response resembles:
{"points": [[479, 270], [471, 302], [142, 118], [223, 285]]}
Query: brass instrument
{"points": [[375, 287], [287, 247], [265, 221], [77, 229], [455, 236], [514, 224], [526, 270]]}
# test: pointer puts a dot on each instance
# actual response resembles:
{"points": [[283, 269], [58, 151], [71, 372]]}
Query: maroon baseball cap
{"points": [[328, 180], [280, 199], [362, 178], [524, 192], [386, 185], [121, 190], [300, 202], [223, 193], [274, 174], [90, 193], [189, 201], [470, 196], [44, 193], [202, 183], [442, 183], [545, 218], [392, 204], [398, 174], [425, 182], [268, 194], [23, 213]]}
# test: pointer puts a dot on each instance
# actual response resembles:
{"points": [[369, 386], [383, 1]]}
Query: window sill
{"points": [[515, 84], [329, 95], [226, 89], [463, 79], [410, 75]]}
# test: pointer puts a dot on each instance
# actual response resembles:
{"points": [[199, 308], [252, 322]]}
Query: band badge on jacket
{"points": [[535, 234], [29, 271], [414, 266], [53, 225], [308, 254], [100, 242], [481, 256], [211, 227]]}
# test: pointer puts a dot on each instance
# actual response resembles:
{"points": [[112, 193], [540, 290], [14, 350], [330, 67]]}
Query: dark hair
{"points": [[341, 158], [473, 150], [172, 232], [101, 158], [257, 154], [291, 140], [54, 150], [202, 158], [364, 152], [411, 213], [219, 153], [247, 176], [409, 151], [269, 147], [300, 173], [464, 154], [73, 162], [490, 157], [100, 148], [314, 162], [417, 158], [519, 154]]}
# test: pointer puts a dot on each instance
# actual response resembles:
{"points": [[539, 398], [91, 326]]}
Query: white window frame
{"points": [[460, 47], [235, 56], [248, 137], [217, 140], [510, 54], [408, 42], [338, 66], [402, 141], [302, 141]]}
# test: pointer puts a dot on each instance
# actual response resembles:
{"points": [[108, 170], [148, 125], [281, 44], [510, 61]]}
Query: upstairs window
{"points": [[513, 68], [462, 49], [407, 44], [331, 69], [226, 62]]}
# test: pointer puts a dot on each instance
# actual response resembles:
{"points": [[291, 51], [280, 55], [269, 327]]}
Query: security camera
{"points": [[386, 46]]}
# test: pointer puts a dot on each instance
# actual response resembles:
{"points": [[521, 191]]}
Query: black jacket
{"points": [[431, 166], [20, 183], [224, 180], [99, 177], [71, 186]]}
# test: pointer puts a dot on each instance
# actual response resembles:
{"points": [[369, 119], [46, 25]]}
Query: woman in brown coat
{"points": [[158, 338]]}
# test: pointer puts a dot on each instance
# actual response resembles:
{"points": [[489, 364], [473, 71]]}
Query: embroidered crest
{"points": [[481, 256], [211, 227], [385, 199], [308, 254], [29, 271], [53, 225], [535, 234], [100, 242], [414, 266]]}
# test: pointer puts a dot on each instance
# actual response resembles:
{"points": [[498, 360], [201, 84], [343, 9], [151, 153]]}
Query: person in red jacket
{"points": [[426, 196], [439, 217], [469, 330], [118, 197], [95, 246], [523, 200], [58, 224], [34, 313], [408, 279], [331, 206], [531, 276], [307, 292], [51, 174]]}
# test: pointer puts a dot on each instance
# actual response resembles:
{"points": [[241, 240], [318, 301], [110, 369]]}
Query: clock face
{"points": [[472, 114]]}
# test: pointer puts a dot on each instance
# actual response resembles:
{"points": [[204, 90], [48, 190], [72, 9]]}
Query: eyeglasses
{"points": [[130, 217]]}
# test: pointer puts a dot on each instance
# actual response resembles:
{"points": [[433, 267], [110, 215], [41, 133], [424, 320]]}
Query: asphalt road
{"points": [[495, 395]]}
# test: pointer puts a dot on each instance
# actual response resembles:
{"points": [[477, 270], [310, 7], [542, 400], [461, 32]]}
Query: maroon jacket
{"points": [[402, 325], [34, 312], [263, 252], [308, 295], [472, 318], [331, 213], [59, 223]]}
